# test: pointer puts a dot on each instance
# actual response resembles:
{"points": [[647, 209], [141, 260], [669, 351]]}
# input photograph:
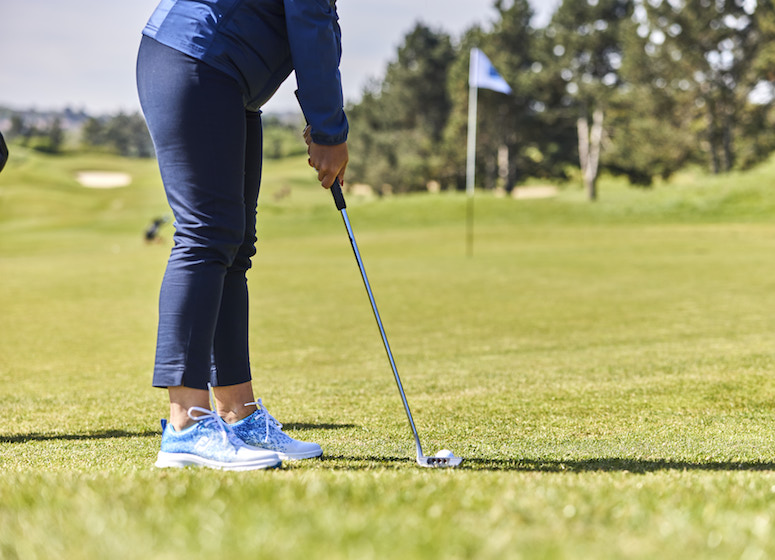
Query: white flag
{"points": [[482, 74]]}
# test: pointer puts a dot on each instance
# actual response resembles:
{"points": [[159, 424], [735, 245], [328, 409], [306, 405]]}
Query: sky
{"points": [[81, 53]]}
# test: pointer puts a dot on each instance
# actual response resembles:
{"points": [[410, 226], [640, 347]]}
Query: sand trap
{"points": [[538, 191], [103, 179]]}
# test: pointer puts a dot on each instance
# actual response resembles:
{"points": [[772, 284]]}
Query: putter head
{"points": [[443, 459]]}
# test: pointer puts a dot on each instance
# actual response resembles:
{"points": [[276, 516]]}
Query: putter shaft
{"points": [[341, 205], [336, 192]]}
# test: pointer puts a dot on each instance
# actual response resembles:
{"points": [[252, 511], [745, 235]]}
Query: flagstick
{"points": [[489, 80], [471, 153]]}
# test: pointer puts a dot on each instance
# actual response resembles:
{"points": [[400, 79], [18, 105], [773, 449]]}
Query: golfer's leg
{"points": [[196, 118], [231, 363]]}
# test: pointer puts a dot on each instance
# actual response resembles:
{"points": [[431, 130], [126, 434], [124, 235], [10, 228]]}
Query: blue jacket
{"points": [[259, 43]]}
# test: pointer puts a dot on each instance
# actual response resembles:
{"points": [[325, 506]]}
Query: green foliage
{"points": [[403, 118], [640, 148], [125, 135], [507, 121], [588, 48], [282, 139], [709, 56], [674, 81], [48, 139]]}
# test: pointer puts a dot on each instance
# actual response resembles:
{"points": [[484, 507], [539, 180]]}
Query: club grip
{"points": [[336, 192]]}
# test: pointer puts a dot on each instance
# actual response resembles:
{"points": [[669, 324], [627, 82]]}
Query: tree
{"points": [[282, 137], [587, 49], [510, 124], [716, 52], [509, 133], [93, 132], [398, 124], [648, 135], [649, 132], [127, 135], [56, 136], [18, 127]]}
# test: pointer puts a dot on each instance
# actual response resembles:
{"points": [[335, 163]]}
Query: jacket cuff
{"points": [[330, 140]]}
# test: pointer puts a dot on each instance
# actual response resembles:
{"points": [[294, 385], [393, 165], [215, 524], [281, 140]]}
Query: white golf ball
{"points": [[445, 453]]}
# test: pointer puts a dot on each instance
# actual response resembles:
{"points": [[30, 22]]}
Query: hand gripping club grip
{"points": [[336, 192], [336, 189]]}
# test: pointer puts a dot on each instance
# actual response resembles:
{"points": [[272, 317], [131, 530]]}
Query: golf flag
{"points": [[482, 74]]}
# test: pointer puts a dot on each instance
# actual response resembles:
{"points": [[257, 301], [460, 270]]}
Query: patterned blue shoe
{"points": [[210, 443], [260, 429]]}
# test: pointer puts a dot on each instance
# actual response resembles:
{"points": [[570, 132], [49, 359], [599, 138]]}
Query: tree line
{"points": [[126, 134], [54, 132], [639, 88]]}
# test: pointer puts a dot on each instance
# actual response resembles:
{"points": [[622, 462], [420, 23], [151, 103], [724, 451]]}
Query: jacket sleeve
{"points": [[316, 49]]}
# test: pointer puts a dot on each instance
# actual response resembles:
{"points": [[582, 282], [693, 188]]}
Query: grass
{"points": [[605, 369]]}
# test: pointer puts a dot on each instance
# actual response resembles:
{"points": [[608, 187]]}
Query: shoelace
{"points": [[267, 418], [210, 417]]}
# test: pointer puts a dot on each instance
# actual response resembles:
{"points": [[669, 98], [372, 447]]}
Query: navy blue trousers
{"points": [[209, 153]]}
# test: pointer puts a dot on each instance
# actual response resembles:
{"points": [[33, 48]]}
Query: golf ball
{"points": [[445, 453]]}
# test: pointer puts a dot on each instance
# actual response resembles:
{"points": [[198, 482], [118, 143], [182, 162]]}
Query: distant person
{"points": [[204, 70], [3, 152]]}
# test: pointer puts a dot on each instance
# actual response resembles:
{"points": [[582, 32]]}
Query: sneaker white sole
{"points": [[179, 460], [300, 455]]}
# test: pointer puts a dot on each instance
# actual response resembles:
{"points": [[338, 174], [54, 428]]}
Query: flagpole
{"points": [[471, 151]]}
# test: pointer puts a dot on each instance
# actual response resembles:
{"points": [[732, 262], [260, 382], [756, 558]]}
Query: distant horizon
{"points": [[89, 113]]}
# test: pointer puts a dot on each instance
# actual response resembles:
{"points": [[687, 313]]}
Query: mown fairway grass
{"points": [[605, 369]]}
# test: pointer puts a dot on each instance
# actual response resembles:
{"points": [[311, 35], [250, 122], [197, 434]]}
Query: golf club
{"points": [[443, 458], [3, 152]]}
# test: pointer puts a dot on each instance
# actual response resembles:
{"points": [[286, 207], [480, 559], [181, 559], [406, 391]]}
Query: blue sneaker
{"points": [[260, 429], [210, 443]]}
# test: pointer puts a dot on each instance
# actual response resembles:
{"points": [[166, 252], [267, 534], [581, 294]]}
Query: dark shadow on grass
{"points": [[635, 466], [95, 435], [306, 426], [614, 464], [117, 434], [344, 463]]}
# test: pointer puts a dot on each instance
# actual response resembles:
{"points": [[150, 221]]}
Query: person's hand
{"points": [[329, 161]]}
